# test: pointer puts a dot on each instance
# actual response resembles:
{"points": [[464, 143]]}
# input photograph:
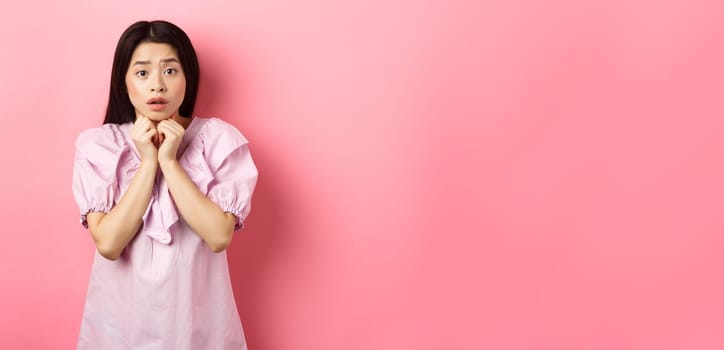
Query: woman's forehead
{"points": [[153, 52]]}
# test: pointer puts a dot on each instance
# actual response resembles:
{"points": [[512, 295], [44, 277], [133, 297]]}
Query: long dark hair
{"points": [[120, 110]]}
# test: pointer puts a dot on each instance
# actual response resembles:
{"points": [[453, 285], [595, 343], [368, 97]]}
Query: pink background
{"points": [[434, 174]]}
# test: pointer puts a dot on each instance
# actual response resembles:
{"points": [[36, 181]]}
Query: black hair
{"points": [[120, 110]]}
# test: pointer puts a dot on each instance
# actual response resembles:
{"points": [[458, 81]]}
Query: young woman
{"points": [[162, 192]]}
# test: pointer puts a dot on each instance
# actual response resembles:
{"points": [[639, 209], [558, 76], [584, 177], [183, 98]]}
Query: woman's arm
{"points": [[201, 214], [204, 216], [113, 230]]}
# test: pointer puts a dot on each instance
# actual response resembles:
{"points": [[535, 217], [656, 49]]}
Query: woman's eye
{"points": [[169, 71], [141, 73]]}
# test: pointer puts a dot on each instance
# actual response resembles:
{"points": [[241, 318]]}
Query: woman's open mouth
{"points": [[157, 103]]}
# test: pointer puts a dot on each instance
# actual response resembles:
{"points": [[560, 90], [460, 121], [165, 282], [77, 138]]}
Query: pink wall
{"points": [[434, 174]]}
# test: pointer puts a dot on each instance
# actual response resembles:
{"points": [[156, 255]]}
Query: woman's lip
{"points": [[157, 106], [157, 100]]}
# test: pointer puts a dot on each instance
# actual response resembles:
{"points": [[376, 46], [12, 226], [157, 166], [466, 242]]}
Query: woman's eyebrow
{"points": [[165, 60]]}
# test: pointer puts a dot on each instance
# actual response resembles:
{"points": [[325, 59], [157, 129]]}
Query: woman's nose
{"points": [[158, 85]]}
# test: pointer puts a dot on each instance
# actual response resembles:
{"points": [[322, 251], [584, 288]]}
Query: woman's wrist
{"points": [[148, 164], [167, 163]]}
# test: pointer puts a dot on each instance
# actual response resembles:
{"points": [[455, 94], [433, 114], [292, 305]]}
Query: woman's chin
{"points": [[158, 116]]}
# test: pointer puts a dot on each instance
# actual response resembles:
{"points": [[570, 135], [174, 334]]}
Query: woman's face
{"points": [[155, 81]]}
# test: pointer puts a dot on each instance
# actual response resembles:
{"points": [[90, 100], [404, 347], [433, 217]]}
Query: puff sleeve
{"points": [[94, 171], [234, 174]]}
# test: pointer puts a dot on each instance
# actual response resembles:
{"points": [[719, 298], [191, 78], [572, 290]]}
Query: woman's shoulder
{"points": [[218, 139], [215, 129], [104, 138]]}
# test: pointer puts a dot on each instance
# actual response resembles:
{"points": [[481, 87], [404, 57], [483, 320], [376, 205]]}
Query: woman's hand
{"points": [[171, 133], [146, 138]]}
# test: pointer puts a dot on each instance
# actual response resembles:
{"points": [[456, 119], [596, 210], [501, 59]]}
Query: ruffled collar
{"points": [[161, 214]]}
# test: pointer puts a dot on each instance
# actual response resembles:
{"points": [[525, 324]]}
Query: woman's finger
{"points": [[149, 135], [142, 125], [166, 130], [172, 126]]}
